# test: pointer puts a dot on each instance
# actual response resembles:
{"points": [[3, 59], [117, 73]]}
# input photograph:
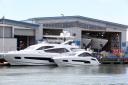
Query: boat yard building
{"points": [[12, 33], [82, 29]]}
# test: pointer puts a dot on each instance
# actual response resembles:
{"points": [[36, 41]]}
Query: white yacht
{"points": [[39, 54], [78, 58]]}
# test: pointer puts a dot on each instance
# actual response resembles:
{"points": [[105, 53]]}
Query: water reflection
{"points": [[81, 70], [112, 69], [53, 75]]}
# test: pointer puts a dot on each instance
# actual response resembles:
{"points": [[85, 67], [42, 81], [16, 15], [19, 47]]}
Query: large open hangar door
{"points": [[114, 39], [25, 37], [24, 41]]}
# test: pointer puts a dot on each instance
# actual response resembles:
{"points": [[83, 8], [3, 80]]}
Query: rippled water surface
{"points": [[53, 75]]}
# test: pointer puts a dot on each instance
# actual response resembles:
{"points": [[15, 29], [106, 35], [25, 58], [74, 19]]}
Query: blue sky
{"points": [[108, 10]]}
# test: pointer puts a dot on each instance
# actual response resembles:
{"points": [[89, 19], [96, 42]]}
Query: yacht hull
{"points": [[75, 61], [28, 59]]}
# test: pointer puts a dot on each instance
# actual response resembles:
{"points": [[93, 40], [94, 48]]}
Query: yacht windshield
{"points": [[45, 47], [30, 47], [57, 50], [76, 49], [84, 54], [34, 47]]}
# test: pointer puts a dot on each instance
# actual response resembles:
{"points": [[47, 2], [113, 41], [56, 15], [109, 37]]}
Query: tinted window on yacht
{"points": [[40, 58], [84, 54], [57, 50], [81, 61], [17, 57], [45, 47]]}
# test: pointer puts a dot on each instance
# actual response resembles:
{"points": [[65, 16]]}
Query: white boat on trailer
{"points": [[79, 58]]}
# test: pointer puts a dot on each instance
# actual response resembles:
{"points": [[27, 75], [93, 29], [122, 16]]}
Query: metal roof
{"points": [[18, 23], [80, 17]]}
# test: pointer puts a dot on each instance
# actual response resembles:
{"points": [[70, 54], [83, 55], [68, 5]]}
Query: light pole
{"points": [[3, 32]]}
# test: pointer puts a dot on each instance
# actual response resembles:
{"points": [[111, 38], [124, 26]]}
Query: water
{"points": [[52, 75]]}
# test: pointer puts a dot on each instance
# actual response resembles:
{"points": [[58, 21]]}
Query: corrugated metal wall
{"points": [[24, 32], [7, 32]]}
